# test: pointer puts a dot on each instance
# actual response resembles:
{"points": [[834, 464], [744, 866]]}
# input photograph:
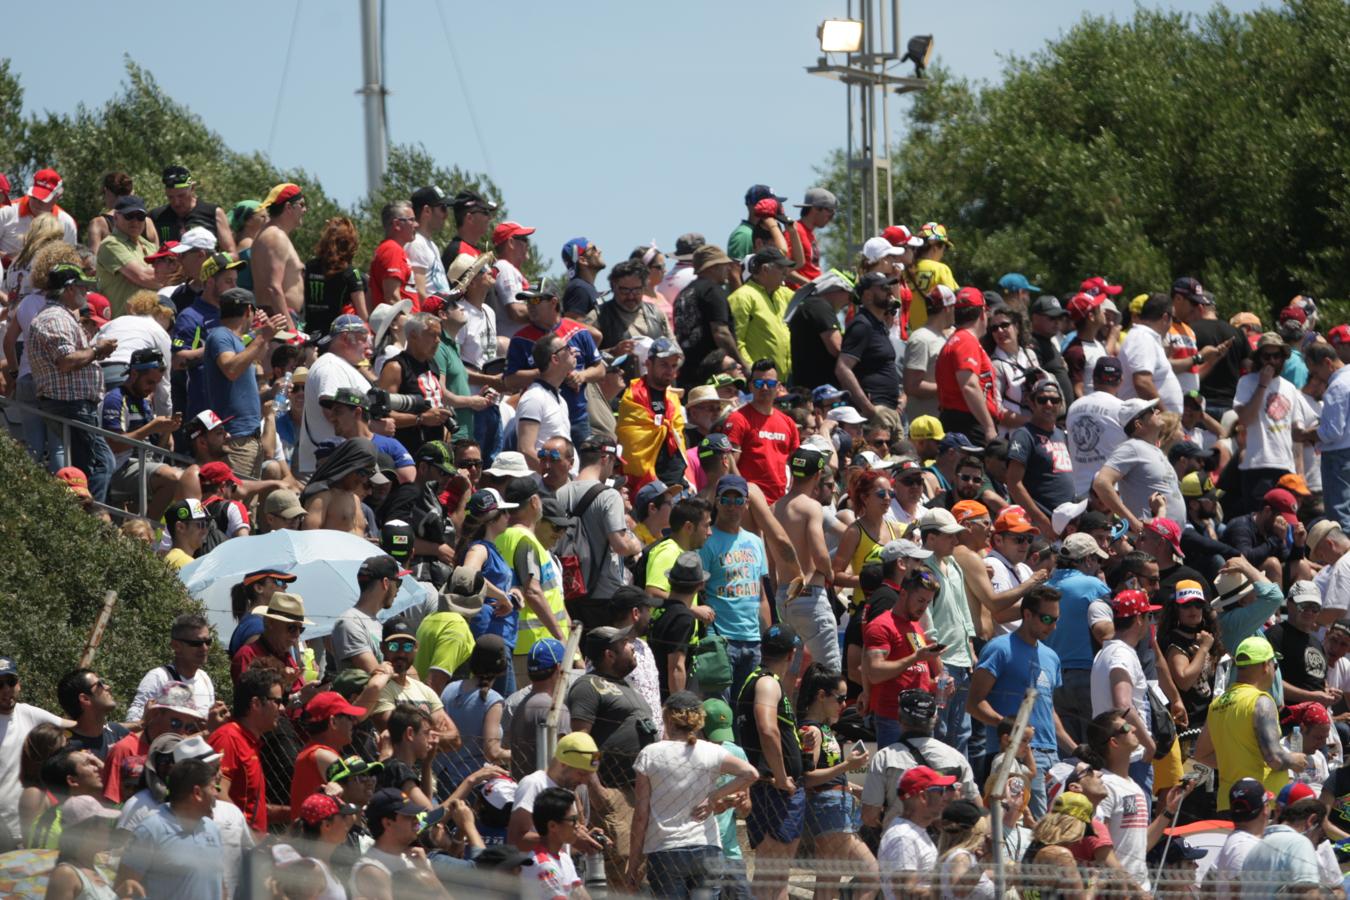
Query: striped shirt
{"points": [[54, 334]]}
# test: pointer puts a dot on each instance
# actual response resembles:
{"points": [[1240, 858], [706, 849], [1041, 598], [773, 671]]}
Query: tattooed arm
{"points": [[1265, 719]]}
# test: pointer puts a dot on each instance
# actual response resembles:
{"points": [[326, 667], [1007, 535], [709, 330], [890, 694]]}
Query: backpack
{"points": [[217, 526], [579, 571], [637, 565]]}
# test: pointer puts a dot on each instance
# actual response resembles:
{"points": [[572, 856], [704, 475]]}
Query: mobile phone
{"points": [[859, 747], [937, 648]]}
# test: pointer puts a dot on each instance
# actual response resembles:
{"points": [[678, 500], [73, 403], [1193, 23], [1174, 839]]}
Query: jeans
{"points": [[683, 872], [1044, 760], [487, 432], [744, 659], [811, 615], [1073, 702], [953, 723], [1335, 484], [887, 731], [34, 426], [87, 451]]}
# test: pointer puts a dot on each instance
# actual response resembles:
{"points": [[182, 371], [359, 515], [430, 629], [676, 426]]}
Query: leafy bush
{"points": [[56, 562]]}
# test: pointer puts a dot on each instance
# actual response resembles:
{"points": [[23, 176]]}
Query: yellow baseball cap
{"points": [[1137, 304], [1072, 803], [579, 751], [926, 428]]}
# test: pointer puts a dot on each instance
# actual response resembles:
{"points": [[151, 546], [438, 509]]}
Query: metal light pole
{"points": [[373, 93], [869, 84]]}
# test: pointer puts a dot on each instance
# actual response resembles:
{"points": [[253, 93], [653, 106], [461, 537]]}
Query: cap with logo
{"points": [[717, 725], [1304, 593], [1188, 591], [76, 481], [921, 778], [1132, 409], [189, 509], [555, 513], [1281, 502], [1247, 799], [378, 567], [1131, 603], [595, 642], [1047, 305], [732, 484], [1167, 530], [219, 262], [236, 301], [901, 236], [845, 415], [438, 455], [917, 706], [46, 186], [779, 640], [818, 198], [467, 198], [1074, 803], [1254, 651], [1081, 305], [1188, 289], [1107, 370], [879, 248], [1295, 484], [1197, 485], [1099, 285], [965, 510], [806, 462], [955, 440], [546, 655], [217, 472]]}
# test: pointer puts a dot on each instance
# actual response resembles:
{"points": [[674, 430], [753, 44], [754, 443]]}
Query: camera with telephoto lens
{"points": [[382, 403]]}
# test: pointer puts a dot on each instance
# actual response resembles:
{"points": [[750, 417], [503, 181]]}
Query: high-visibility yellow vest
{"points": [[531, 629], [1231, 728]]}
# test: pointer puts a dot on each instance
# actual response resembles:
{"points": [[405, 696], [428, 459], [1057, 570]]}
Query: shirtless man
{"points": [[332, 499], [804, 604], [759, 519], [278, 273]]}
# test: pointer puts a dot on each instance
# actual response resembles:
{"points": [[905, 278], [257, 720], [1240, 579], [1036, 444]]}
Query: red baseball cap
{"points": [[1082, 304], [217, 473], [1098, 285], [921, 778], [46, 186], [1282, 501], [1339, 335], [1131, 603], [320, 807], [900, 236], [969, 298], [1295, 313], [507, 230], [75, 479], [326, 704], [165, 251], [1169, 530], [281, 193]]}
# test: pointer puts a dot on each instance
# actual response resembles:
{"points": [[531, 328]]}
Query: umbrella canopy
{"points": [[323, 561]]}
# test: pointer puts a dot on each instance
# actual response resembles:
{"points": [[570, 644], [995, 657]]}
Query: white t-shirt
{"points": [[676, 280], [1093, 432], [1144, 470], [1125, 814], [1004, 576], [1227, 869], [1312, 453], [681, 777], [478, 338], [1010, 375], [1143, 352], [1092, 351], [422, 254], [14, 730], [905, 847], [29, 307], [14, 228], [510, 281], [1334, 580], [540, 403], [548, 877], [1116, 654], [203, 691], [134, 333], [529, 787], [328, 374], [921, 354], [1271, 445]]}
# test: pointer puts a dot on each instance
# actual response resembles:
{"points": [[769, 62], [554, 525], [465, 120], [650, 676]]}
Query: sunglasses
{"points": [[1048, 620], [204, 642], [999, 326], [841, 698], [914, 481], [185, 726], [294, 629], [9, 682], [970, 479], [554, 455], [470, 464], [1019, 538], [97, 686], [764, 384], [400, 646], [1125, 728], [1045, 400], [1271, 357], [884, 494], [731, 500], [134, 217]]}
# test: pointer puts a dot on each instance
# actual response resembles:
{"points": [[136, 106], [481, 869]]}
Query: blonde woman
{"points": [[962, 843], [45, 230], [674, 827]]}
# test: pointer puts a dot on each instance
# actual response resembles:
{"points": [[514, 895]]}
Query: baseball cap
{"points": [[1067, 512], [1016, 281], [968, 509], [189, 509], [1130, 603], [845, 415], [758, 192], [326, 704], [596, 641], [319, 807], [1047, 305], [717, 721], [875, 279], [546, 654], [646, 495], [901, 236], [205, 421], [664, 348], [1107, 370], [165, 251], [1197, 484], [806, 461], [65, 275], [1186, 450], [281, 193], [1304, 592], [1168, 530], [1098, 284], [818, 198], [1174, 850], [377, 567], [236, 301], [438, 454], [129, 204], [1247, 799], [283, 504], [397, 627], [1080, 546], [1319, 532], [717, 442], [779, 639], [1014, 519], [176, 696], [935, 233], [578, 750], [1293, 792], [196, 238], [486, 501], [555, 513], [917, 706], [902, 549], [1189, 288], [84, 808], [351, 767], [217, 473], [46, 186], [921, 778], [832, 280], [1281, 501], [769, 256], [877, 248], [1073, 803], [145, 359], [1293, 313], [939, 520], [76, 481], [1188, 591], [629, 597], [1254, 651], [1294, 484], [826, 393], [963, 813], [345, 396], [195, 747], [469, 198], [347, 324], [8, 666], [431, 195], [388, 802], [1080, 305], [686, 244], [1132, 409], [970, 298], [573, 250], [1339, 335], [219, 262], [176, 176], [732, 483], [955, 440], [507, 230], [928, 428]]}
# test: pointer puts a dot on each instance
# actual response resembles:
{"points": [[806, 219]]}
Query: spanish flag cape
{"points": [[641, 436]]}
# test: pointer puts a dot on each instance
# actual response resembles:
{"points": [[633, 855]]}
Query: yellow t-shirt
{"points": [[927, 274], [760, 329], [177, 558]]}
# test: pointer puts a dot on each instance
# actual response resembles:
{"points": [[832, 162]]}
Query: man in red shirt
{"points": [[965, 376], [258, 698], [898, 655], [390, 270], [766, 435], [818, 208], [283, 621]]}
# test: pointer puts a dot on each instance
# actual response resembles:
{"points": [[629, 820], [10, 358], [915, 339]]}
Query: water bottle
{"points": [[1296, 746], [283, 397], [944, 689]]}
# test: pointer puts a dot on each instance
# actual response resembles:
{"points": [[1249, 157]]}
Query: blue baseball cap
{"points": [[717, 442], [733, 483], [649, 492], [8, 666], [955, 440], [347, 323], [758, 192], [545, 655], [573, 249], [827, 392], [1016, 281], [664, 347]]}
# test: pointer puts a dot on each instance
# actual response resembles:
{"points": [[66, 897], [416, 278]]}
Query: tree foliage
{"points": [[1143, 150], [142, 129], [56, 562]]}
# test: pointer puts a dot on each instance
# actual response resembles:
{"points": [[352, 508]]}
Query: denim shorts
{"points": [[830, 812], [775, 814]]}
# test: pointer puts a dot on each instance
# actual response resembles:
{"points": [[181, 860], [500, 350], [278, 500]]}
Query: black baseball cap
{"points": [[1186, 450], [428, 196], [1247, 799], [236, 302], [129, 204], [145, 359], [1189, 288], [779, 640], [377, 567], [918, 706], [806, 461], [1108, 370], [389, 802], [769, 256], [874, 279], [176, 177], [964, 813], [1048, 305]]}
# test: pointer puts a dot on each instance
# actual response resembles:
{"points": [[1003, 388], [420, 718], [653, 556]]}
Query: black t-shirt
{"points": [[618, 717], [812, 362], [672, 631], [580, 297], [417, 505], [420, 379], [1052, 361], [170, 226], [1167, 583], [100, 744], [1220, 384], [184, 296], [1304, 662], [699, 306], [326, 295], [1049, 468], [1197, 698], [396, 774], [867, 340]]}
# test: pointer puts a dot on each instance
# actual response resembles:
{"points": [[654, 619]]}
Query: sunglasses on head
{"points": [[764, 384]]}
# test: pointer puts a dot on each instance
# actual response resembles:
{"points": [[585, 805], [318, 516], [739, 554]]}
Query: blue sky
{"points": [[622, 122]]}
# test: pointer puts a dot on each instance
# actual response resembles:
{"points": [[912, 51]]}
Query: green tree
{"points": [[56, 562], [1144, 150]]}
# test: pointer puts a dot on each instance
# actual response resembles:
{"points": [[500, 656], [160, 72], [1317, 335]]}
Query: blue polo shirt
{"points": [[189, 333], [1072, 639], [171, 860], [1016, 666], [238, 398]]}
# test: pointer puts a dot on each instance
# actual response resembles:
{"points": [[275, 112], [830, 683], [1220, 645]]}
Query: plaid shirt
{"points": [[54, 334]]}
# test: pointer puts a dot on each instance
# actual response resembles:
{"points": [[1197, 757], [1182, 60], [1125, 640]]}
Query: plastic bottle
{"points": [[945, 683], [1296, 740], [283, 398]]}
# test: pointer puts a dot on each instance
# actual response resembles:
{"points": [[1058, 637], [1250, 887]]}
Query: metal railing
{"points": [[142, 449]]}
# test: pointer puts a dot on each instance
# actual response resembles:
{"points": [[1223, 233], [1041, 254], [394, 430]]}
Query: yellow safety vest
{"points": [[1239, 754], [531, 629]]}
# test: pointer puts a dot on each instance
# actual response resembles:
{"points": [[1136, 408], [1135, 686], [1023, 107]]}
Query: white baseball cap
{"points": [[879, 248]]}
